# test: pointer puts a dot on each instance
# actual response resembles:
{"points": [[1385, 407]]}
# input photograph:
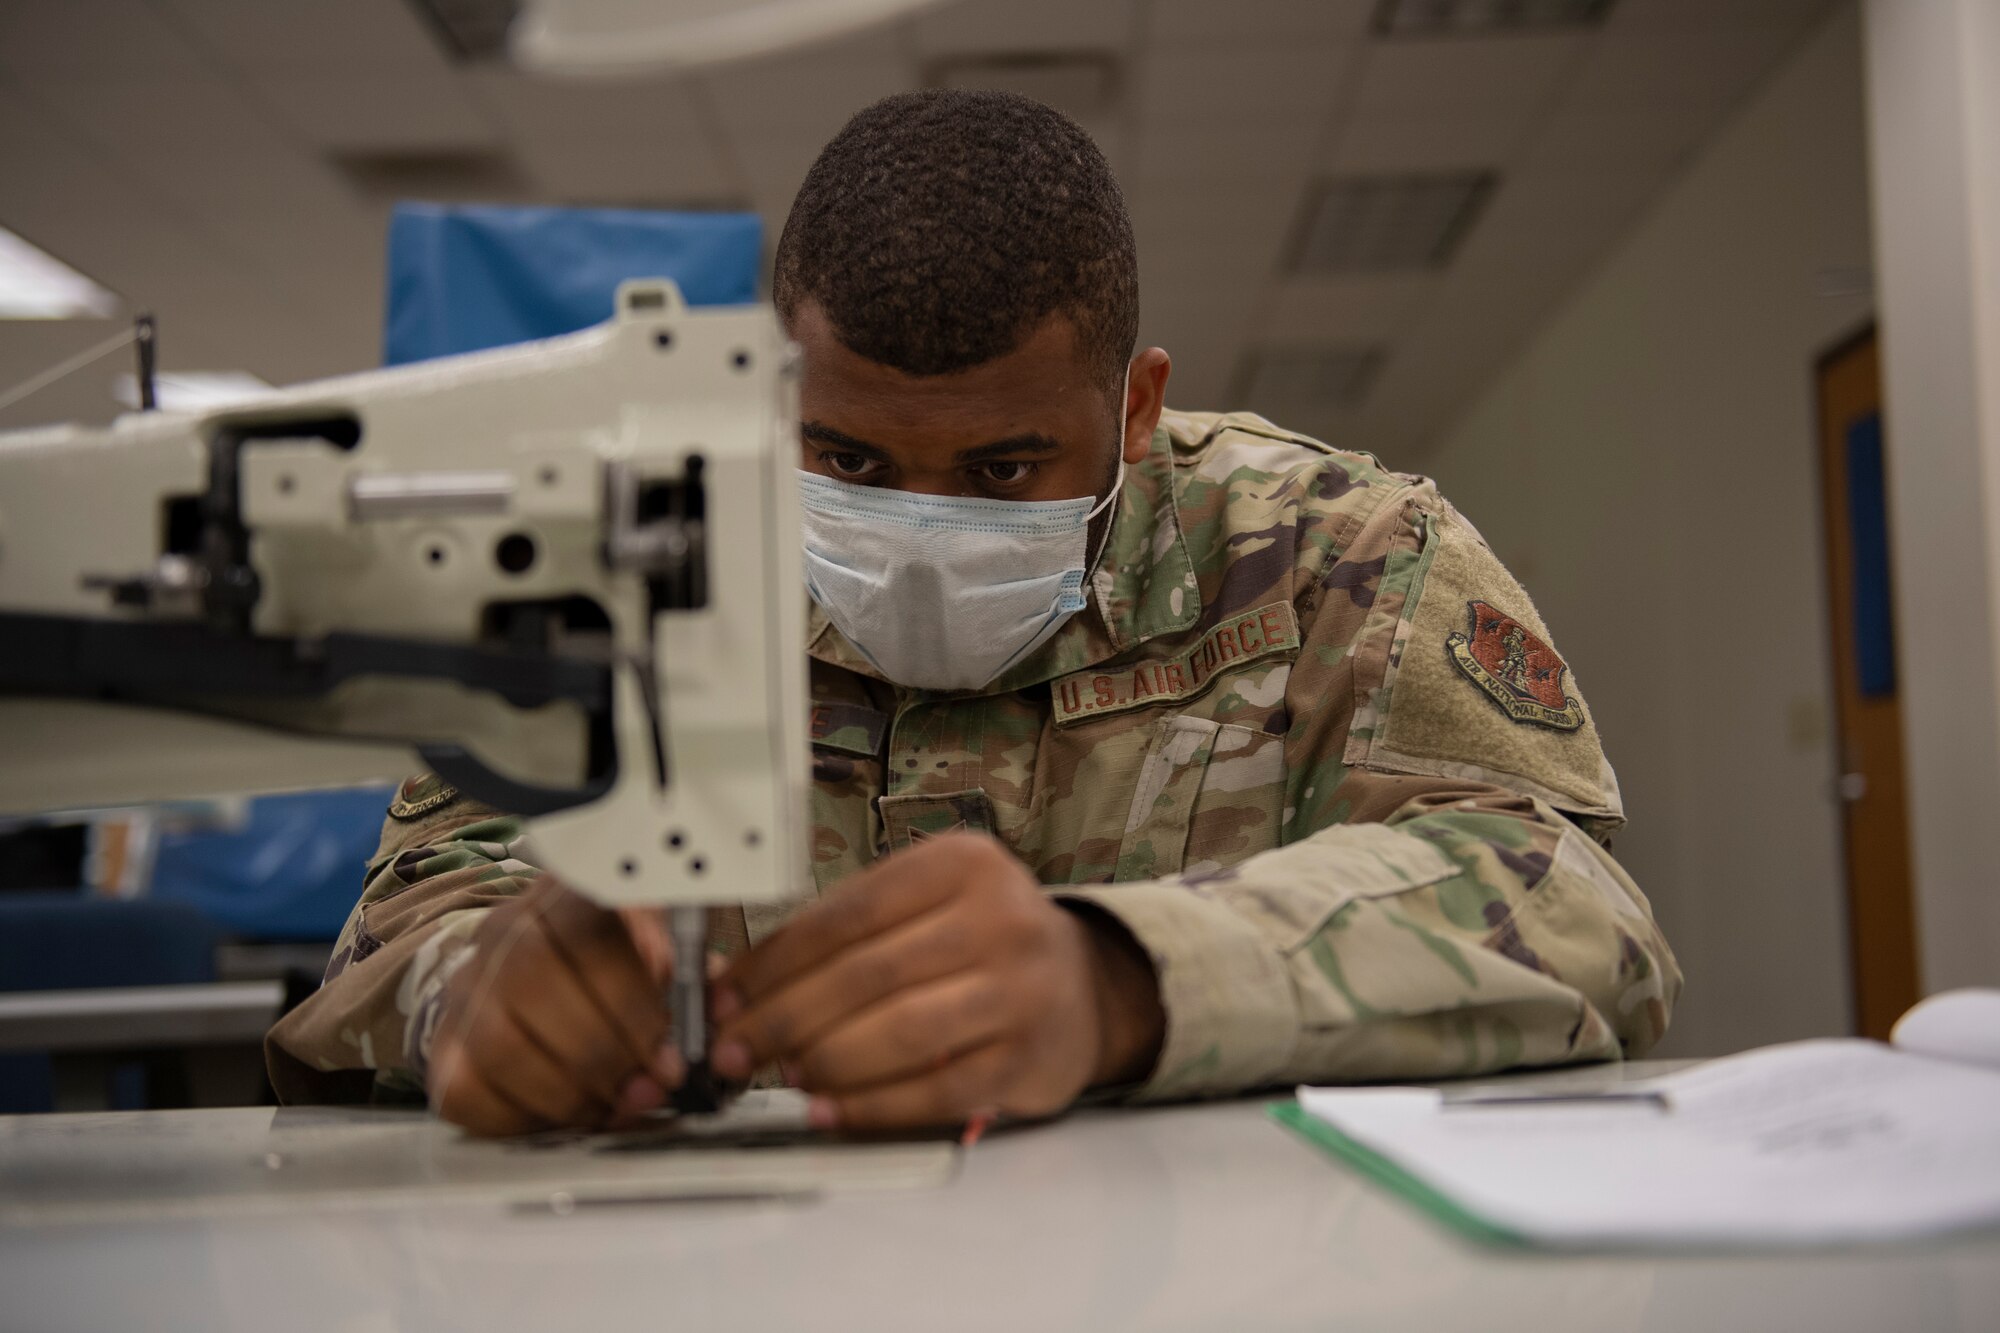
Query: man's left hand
{"points": [[938, 985]]}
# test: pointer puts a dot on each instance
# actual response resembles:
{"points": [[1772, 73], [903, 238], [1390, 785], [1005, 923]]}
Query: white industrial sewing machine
{"points": [[565, 576]]}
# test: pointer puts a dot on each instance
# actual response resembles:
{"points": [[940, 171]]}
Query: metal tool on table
{"points": [[564, 576]]}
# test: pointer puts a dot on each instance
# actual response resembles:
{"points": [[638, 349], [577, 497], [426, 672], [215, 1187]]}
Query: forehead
{"points": [[1044, 384]]}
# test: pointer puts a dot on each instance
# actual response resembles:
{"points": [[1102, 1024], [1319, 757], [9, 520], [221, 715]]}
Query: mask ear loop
{"points": [[1104, 541], [1117, 486]]}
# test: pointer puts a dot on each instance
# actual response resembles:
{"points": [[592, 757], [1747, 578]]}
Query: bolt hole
{"points": [[286, 483], [741, 360], [696, 866], [628, 867], [548, 476], [752, 838], [676, 840], [435, 555], [515, 553], [664, 340]]}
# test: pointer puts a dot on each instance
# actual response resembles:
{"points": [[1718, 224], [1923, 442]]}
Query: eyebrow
{"points": [[1028, 442]]}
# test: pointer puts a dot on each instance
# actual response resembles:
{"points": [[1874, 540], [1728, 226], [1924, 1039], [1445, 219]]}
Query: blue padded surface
{"points": [[291, 872], [467, 277]]}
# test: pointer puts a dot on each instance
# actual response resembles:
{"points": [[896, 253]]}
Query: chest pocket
{"points": [[847, 742], [907, 820], [1209, 795]]}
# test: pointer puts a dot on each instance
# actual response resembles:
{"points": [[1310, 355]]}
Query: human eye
{"points": [[847, 466], [1005, 473]]}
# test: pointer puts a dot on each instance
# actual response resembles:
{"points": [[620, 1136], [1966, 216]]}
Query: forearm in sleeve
{"points": [[370, 1023], [1472, 930]]}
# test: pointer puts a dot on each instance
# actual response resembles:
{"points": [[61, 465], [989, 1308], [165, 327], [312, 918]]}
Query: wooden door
{"points": [[1872, 789]]}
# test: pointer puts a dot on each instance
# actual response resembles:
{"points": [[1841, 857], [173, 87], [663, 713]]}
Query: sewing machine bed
{"points": [[152, 1164]]}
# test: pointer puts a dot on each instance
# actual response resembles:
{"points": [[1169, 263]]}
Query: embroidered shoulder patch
{"points": [[1519, 672], [421, 795], [1239, 639]]}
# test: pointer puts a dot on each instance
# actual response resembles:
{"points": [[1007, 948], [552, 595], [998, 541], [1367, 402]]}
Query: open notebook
{"points": [[1810, 1143]]}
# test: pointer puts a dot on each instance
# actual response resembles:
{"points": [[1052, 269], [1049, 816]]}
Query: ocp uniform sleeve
{"points": [[1442, 901], [443, 862]]}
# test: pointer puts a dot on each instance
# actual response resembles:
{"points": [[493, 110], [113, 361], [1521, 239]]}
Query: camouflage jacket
{"points": [[1309, 744]]}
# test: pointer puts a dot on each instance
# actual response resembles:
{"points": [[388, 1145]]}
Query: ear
{"points": [[1145, 399]]}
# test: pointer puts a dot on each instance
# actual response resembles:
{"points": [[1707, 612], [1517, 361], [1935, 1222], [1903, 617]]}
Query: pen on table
{"points": [[1475, 1101]]}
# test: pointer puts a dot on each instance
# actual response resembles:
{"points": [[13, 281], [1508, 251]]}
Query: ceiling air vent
{"points": [[446, 175], [1307, 377], [1081, 84], [1384, 224], [470, 31], [1484, 18]]}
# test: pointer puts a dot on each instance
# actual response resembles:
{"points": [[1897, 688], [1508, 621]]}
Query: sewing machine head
{"points": [[563, 575]]}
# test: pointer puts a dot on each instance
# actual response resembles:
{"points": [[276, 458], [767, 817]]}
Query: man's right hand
{"points": [[559, 1020]]}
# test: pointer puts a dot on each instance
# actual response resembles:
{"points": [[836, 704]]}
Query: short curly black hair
{"points": [[939, 228]]}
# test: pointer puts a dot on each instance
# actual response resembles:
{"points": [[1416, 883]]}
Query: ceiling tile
{"points": [[155, 113], [1693, 15], [804, 98], [1282, 89], [581, 108], [1455, 75], [1636, 68], [1349, 308], [1187, 22], [40, 39], [1016, 25], [375, 112], [1408, 143], [1231, 231], [1572, 139], [674, 169], [332, 36], [1175, 155]]}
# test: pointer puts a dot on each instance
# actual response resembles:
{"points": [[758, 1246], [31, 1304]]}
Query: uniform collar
{"points": [[1143, 587]]}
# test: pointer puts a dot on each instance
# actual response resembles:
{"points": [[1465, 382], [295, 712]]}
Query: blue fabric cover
{"points": [[466, 277], [291, 872]]}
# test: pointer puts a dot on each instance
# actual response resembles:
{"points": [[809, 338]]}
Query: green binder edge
{"points": [[1392, 1177]]}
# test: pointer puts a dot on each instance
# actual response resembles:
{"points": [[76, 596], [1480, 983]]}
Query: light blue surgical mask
{"points": [[941, 593]]}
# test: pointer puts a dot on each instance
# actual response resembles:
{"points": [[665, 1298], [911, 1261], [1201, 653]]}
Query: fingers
{"points": [[535, 1080], [917, 1033], [467, 1099], [558, 1023], [558, 1013], [793, 1018], [600, 953], [892, 891], [970, 1085]]}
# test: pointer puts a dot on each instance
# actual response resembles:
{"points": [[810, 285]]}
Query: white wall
{"points": [[1934, 118], [1648, 467]]}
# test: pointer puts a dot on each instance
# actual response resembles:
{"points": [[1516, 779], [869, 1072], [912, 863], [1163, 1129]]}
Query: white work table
{"points": [[1195, 1217]]}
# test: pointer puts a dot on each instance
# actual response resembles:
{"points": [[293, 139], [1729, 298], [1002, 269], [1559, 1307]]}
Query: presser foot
{"points": [[701, 1092]]}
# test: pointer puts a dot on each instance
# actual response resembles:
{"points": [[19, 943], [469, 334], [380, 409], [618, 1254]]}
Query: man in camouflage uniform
{"points": [[1303, 794]]}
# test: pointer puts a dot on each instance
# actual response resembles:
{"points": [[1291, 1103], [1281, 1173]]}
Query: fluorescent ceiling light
{"points": [[193, 390], [37, 285], [1387, 224], [609, 37]]}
